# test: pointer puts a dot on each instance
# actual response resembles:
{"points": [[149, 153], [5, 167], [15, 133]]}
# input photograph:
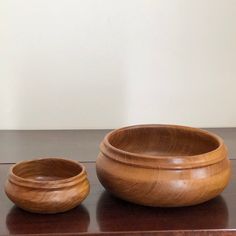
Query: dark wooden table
{"points": [[102, 213]]}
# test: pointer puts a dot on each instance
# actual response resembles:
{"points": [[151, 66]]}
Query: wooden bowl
{"points": [[48, 185], [163, 165]]}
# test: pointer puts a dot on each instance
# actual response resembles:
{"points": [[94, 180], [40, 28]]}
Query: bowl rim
{"points": [[168, 161], [26, 182]]}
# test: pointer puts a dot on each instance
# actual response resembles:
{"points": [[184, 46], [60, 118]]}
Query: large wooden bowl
{"points": [[163, 165], [48, 185]]}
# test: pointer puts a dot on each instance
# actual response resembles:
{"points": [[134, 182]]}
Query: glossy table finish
{"points": [[102, 213], [27, 144], [80, 145]]}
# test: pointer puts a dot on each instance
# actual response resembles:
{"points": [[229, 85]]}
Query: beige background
{"points": [[68, 64]]}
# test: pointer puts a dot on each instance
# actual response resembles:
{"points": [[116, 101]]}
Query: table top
{"points": [[103, 213], [100, 213], [82, 145]]}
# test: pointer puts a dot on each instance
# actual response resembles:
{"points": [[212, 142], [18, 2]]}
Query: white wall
{"points": [[103, 64]]}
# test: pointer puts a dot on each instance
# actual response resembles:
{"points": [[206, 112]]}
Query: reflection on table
{"points": [[20, 222], [114, 214]]}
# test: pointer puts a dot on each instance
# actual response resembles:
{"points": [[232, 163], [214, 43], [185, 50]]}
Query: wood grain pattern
{"points": [[163, 165], [82, 145], [48, 185], [102, 214]]}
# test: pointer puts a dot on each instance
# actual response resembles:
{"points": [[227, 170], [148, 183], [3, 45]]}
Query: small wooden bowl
{"points": [[163, 165], [48, 185]]}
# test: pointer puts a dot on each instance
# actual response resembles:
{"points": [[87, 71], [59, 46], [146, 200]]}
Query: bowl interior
{"points": [[49, 169], [163, 141]]}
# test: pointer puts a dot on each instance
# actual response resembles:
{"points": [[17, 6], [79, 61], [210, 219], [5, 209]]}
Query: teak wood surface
{"points": [[82, 145], [101, 213], [47, 185], [163, 165]]}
